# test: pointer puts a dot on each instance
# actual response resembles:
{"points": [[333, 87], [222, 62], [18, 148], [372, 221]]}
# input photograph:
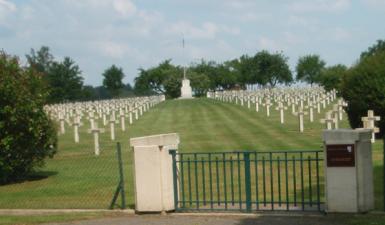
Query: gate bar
{"points": [[246, 157]]}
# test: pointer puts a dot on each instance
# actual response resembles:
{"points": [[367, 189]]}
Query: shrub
{"points": [[27, 136], [363, 87]]}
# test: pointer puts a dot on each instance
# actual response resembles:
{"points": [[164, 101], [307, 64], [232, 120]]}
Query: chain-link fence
{"points": [[74, 180]]}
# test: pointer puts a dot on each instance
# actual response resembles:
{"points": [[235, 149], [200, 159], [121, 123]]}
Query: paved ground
{"points": [[210, 220]]}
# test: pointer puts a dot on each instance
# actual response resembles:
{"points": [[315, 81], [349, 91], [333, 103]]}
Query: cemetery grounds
{"points": [[76, 178]]}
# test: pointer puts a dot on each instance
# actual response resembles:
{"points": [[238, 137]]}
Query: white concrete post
{"points": [[348, 171], [154, 185]]}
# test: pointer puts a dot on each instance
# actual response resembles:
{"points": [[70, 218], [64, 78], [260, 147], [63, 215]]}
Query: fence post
{"points": [[175, 178], [246, 158], [123, 195], [120, 187]]}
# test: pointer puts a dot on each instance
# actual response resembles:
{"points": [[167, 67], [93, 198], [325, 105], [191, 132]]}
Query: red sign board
{"points": [[340, 155]]}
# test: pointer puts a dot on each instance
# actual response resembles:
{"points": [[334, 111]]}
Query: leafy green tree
{"points": [[112, 81], [331, 76], [40, 60], [228, 76], [235, 80], [309, 68], [210, 68], [200, 83], [246, 70], [65, 81], [142, 84], [271, 69], [363, 87], [378, 47], [163, 79], [27, 136], [88, 93], [172, 84], [102, 93]]}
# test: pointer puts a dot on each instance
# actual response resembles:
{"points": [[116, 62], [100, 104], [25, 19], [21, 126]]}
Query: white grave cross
{"points": [[368, 122]]}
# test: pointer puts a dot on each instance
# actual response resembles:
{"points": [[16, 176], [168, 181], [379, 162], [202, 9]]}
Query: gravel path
{"points": [[210, 220]]}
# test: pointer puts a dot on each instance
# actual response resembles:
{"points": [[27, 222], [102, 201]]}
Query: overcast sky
{"points": [[140, 34]]}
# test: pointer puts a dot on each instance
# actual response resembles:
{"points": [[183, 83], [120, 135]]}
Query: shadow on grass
{"points": [[379, 187], [33, 176]]}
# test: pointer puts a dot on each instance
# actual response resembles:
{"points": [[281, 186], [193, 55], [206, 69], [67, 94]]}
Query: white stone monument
{"points": [[185, 90]]}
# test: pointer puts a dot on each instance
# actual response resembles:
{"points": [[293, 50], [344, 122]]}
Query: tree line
{"points": [[64, 81], [264, 69]]}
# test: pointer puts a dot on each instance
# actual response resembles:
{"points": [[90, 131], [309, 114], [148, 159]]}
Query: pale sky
{"points": [[140, 34]]}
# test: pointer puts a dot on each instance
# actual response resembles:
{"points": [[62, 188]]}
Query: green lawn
{"points": [[76, 178]]}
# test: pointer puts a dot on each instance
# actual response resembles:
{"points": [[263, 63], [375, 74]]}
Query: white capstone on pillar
{"points": [[348, 170], [154, 187]]}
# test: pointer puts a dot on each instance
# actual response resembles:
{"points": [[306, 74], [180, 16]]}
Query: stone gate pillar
{"points": [[348, 170], [153, 174]]}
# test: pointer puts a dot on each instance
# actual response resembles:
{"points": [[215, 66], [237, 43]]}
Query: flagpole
{"points": [[184, 67]]}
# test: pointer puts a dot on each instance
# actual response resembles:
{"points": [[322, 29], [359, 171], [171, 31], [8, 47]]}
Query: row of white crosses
{"points": [[302, 101], [333, 116], [111, 112]]}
